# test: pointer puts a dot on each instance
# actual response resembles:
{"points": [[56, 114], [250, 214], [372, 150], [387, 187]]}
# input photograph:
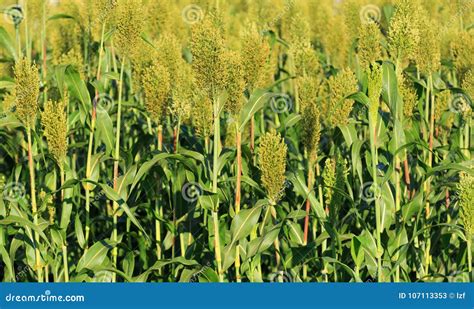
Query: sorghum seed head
{"points": [[130, 25], [255, 53], [311, 113], [170, 53], [207, 47], [54, 121], [404, 35], [305, 59], [235, 84], [334, 175], [428, 50], [468, 83], [340, 86], [181, 92], [442, 103], [156, 90], [272, 164], [200, 115], [369, 49], [105, 9], [375, 90], [409, 96], [466, 202], [27, 91]]}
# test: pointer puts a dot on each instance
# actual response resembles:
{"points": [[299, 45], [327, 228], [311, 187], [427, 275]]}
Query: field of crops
{"points": [[236, 141]]}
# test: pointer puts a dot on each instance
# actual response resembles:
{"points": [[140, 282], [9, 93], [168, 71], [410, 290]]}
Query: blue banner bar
{"points": [[246, 295]]}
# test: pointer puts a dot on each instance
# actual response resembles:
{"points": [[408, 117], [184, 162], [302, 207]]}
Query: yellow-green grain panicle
{"points": [[255, 53], [341, 86], [208, 47], [129, 27], [156, 90], [54, 121], [27, 91], [409, 96], [311, 114], [235, 84], [201, 111], [466, 202], [272, 164], [428, 50], [374, 89], [404, 35], [369, 47]]}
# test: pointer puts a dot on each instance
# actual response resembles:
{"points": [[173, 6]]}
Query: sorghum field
{"points": [[236, 141]]}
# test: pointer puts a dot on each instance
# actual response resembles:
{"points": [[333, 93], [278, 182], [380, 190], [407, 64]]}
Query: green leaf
{"points": [[60, 16], [111, 194], [10, 121], [79, 231], [389, 89], [25, 223], [95, 256], [292, 120], [78, 87], [148, 165], [244, 222], [260, 244], [7, 43], [8, 265], [410, 209], [160, 264], [105, 129], [6, 84], [256, 102], [295, 232], [300, 187], [350, 134], [357, 252]]}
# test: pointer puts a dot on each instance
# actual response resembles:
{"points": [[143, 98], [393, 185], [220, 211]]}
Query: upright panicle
{"points": [[208, 47], [54, 121], [340, 86], [272, 164], [404, 33], [129, 27], [27, 86], [255, 52], [369, 47], [466, 202]]}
